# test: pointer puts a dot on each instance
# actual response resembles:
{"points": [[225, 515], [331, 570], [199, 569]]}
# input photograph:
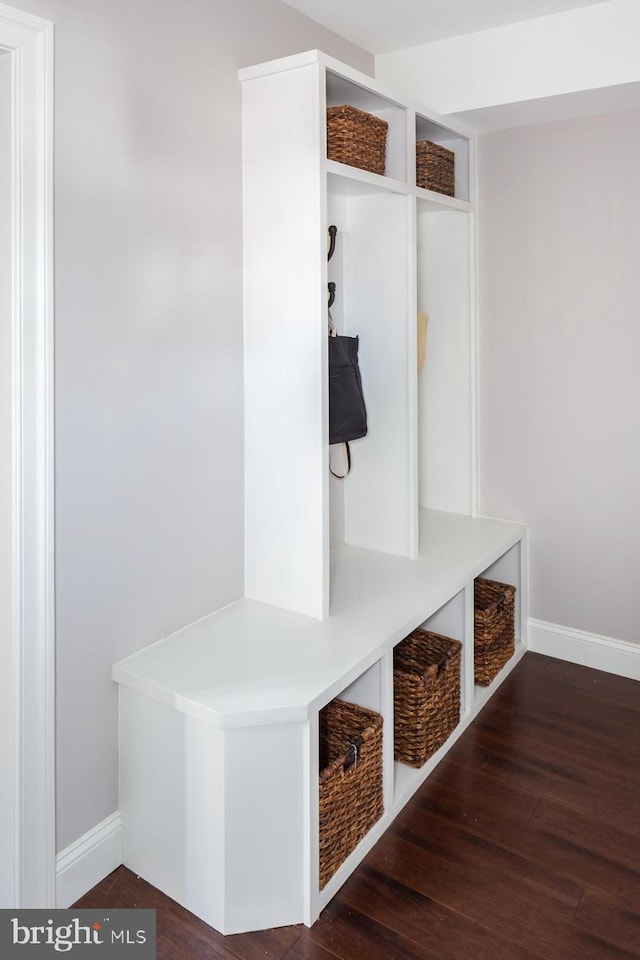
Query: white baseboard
{"points": [[587, 649], [89, 860]]}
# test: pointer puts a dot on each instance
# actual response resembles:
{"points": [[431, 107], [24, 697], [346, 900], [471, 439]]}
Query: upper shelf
{"points": [[251, 663], [407, 123], [351, 181]]}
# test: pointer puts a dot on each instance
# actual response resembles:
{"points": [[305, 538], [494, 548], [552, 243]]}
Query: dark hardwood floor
{"points": [[524, 844]]}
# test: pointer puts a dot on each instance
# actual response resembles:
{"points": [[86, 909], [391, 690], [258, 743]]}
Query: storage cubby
{"points": [[460, 146], [509, 568], [446, 382], [449, 620], [373, 689], [340, 91], [350, 781], [426, 694], [372, 301]]}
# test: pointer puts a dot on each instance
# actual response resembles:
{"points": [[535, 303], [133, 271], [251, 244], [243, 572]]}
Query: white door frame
{"points": [[27, 659]]}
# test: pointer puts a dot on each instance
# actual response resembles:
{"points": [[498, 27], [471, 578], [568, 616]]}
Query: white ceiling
{"points": [[380, 26]]}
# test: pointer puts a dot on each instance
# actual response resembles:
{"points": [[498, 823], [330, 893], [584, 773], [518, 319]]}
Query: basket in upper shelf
{"points": [[356, 138], [494, 628], [426, 694], [435, 167], [350, 791]]}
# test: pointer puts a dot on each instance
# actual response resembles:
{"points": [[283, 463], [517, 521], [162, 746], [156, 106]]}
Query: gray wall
{"points": [[148, 275], [559, 223]]}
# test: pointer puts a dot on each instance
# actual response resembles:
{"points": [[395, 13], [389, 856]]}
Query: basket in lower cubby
{"points": [[494, 628], [426, 695], [350, 791]]}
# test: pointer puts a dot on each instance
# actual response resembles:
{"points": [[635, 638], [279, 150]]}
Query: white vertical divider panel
{"points": [[413, 491], [286, 485], [467, 685], [412, 344], [377, 275], [311, 863], [337, 206], [474, 331], [522, 627], [444, 391], [411, 134], [386, 708]]}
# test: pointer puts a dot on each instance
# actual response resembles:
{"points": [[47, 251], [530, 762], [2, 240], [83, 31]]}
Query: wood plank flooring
{"points": [[524, 844]]}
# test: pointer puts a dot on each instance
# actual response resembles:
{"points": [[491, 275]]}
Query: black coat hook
{"points": [[332, 240]]}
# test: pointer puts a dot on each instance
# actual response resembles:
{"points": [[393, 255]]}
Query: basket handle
{"points": [[442, 662], [351, 756]]}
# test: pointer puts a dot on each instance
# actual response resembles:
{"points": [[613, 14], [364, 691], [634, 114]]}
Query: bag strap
{"points": [[333, 332], [347, 453]]}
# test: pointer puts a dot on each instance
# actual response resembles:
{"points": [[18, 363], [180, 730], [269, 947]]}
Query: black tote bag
{"points": [[347, 411]]}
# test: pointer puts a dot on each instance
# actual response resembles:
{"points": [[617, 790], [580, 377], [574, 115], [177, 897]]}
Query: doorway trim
{"points": [[29, 40]]}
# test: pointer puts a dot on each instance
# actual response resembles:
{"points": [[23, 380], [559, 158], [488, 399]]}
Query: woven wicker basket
{"points": [[350, 780], [426, 694], [435, 167], [494, 628], [356, 138]]}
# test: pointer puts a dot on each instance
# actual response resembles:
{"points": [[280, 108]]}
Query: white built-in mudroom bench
{"points": [[219, 723]]}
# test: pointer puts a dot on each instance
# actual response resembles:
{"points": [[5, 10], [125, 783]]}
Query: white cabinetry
{"points": [[219, 722]]}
